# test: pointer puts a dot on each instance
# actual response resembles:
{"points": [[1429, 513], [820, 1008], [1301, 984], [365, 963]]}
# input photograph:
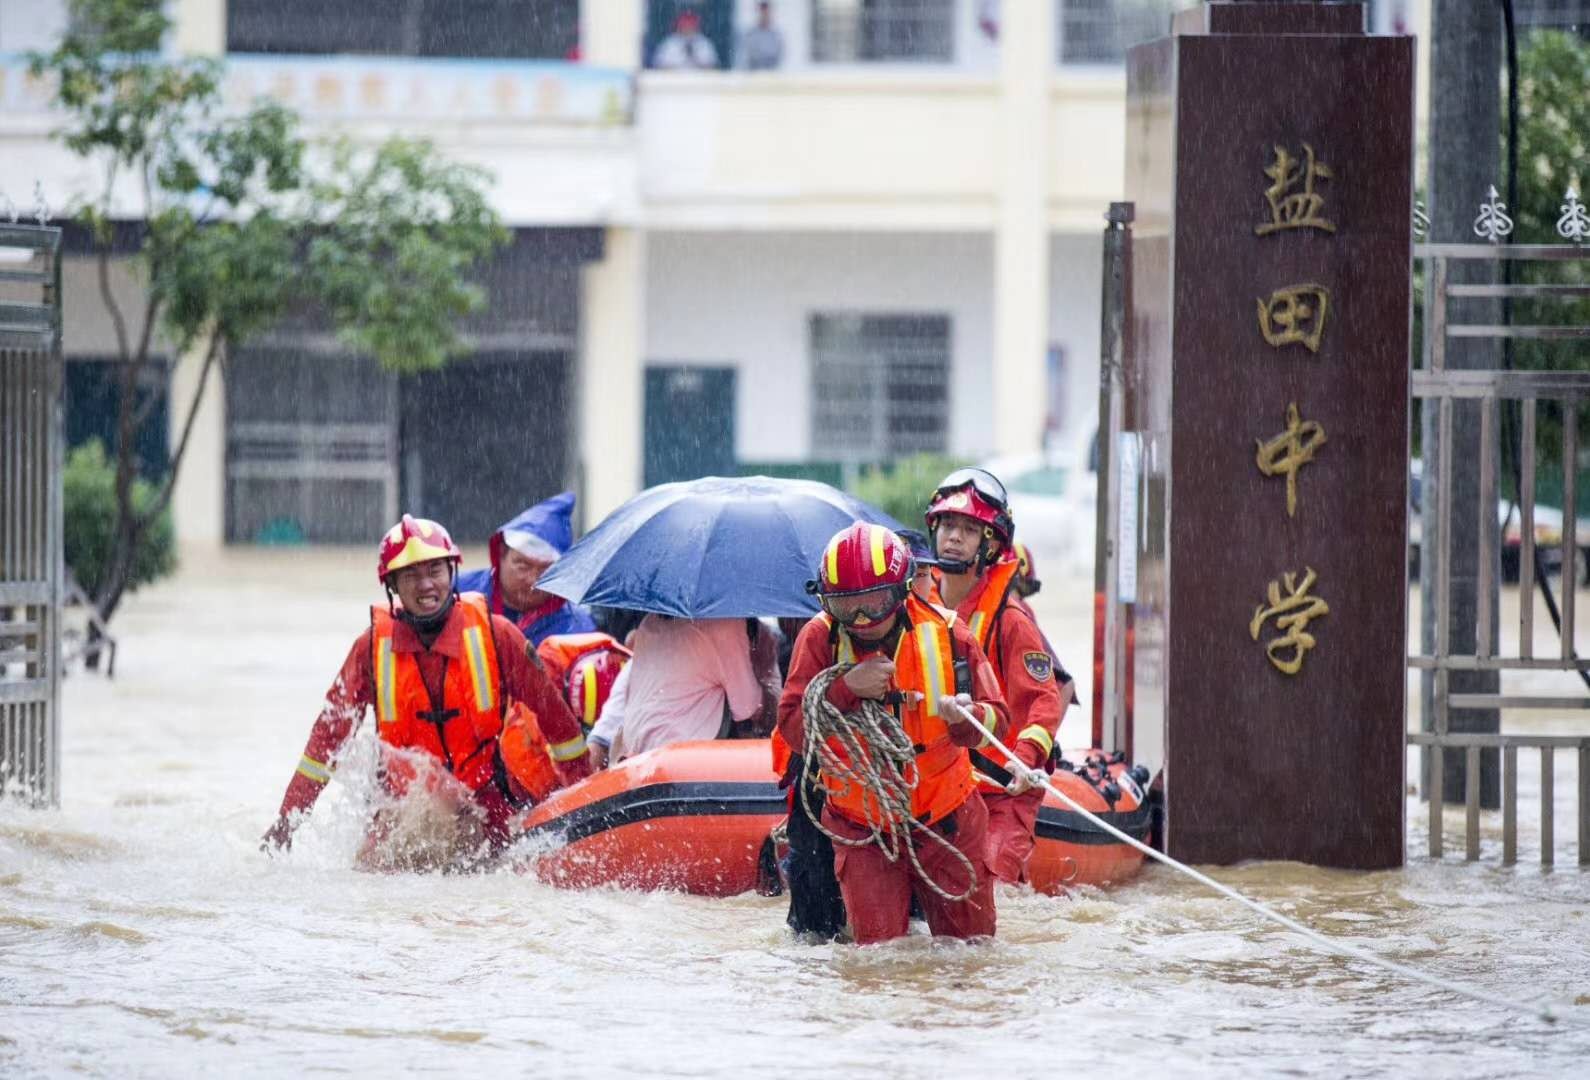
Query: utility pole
{"points": [[1464, 161]]}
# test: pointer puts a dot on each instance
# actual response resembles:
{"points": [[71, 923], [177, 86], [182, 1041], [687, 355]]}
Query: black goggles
{"points": [[868, 606], [982, 481]]}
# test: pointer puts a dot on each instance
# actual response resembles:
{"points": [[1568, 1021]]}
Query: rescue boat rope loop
{"points": [[1544, 1010], [868, 748]]}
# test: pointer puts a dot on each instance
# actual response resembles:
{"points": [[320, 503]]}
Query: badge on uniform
{"points": [[1039, 666]]}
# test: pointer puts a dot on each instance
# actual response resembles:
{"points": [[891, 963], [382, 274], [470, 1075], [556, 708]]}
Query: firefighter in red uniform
{"points": [[909, 655], [972, 528], [446, 679]]}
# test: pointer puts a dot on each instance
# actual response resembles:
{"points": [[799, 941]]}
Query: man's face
{"points": [[958, 537], [423, 587], [922, 584], [519, 573]]}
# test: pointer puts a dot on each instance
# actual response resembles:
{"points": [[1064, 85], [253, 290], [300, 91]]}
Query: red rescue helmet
{"points": [[1027, 581], [864, 575], [977, 494], [589, 682], [414, 540]]}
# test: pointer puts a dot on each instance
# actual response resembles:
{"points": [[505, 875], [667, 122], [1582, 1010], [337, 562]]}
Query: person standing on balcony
{"points": [[972, 528], [762, 46], [687, 48], [521, 551]]}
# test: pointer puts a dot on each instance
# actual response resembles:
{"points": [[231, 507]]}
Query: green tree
{"points": [[244, 219], [1553, 158], [902, 488]]}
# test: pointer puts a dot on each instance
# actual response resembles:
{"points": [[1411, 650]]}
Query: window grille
{"points": [[868, 31], [501, 29], [1100, 31], [880, 385]]}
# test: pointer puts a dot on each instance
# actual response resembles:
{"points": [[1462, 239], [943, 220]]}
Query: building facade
{"points": [[886, 242]]}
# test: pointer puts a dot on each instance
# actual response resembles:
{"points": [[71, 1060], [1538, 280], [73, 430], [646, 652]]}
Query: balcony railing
{"points": [[407, 89]]}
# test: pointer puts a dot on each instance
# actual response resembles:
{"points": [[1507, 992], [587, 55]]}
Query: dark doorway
{"points": [[485, 437], [689, 423]]}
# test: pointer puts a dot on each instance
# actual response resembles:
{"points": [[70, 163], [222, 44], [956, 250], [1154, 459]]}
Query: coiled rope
{"points": [[869, 749], [1544, 1010]]}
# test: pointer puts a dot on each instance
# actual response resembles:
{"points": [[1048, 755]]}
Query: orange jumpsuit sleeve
{"points": [[526, 682], [1032, 687], [986, 698], [338, 719]]}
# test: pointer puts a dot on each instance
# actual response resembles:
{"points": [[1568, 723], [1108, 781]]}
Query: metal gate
{"points": [[1565, 393], [31, 568]]}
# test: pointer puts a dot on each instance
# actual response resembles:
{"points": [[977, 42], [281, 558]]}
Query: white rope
{"points": [[1545, 1010]]}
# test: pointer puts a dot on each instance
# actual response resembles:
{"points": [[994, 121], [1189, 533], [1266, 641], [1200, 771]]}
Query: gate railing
{"points": [[31, 569], [1438, 386]]}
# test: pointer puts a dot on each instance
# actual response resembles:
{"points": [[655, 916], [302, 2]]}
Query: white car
{"points": [[1052, 497], [1548, 532]]}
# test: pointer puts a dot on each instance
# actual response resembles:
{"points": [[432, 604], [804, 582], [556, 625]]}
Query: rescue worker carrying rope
{"points": [[451, 684], [884, 770]]}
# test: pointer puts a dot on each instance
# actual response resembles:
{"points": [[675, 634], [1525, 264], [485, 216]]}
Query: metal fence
{"points": [[1437, 386], [31, 570]]}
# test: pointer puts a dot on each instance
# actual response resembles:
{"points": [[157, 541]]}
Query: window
{"points": [[850, 31], [501, 29], [1100, 31], [880, 385]]}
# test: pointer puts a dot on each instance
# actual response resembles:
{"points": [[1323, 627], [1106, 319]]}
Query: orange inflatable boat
{"points": [[695, 817]]}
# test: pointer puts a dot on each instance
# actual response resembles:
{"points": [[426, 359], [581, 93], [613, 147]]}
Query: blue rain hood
{"points": [[544, 531]]}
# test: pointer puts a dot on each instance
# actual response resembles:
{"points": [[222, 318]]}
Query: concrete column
{"points": [[198, 502], [200, 27], [611, 379], [1021, 235], [611, 32]]}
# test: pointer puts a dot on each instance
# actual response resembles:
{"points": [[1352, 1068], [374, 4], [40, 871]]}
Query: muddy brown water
{"points": [[143, 934]]}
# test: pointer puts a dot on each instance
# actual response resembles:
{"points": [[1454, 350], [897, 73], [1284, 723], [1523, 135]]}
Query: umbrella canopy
{"points": [[714, 548]]}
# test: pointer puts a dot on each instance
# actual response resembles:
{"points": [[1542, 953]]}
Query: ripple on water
{"points": [[101, 929], [63, 843]]}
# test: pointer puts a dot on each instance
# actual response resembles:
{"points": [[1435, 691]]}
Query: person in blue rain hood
{"points": [[521, 551]]}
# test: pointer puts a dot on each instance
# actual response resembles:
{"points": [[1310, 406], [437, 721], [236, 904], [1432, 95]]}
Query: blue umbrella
{"points": [[711, 548]]}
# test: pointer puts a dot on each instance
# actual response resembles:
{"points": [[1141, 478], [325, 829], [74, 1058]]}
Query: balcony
{"points": [[557, 136], [887, 149]]}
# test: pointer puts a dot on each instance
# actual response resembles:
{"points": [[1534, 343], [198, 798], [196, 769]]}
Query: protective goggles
{"points": [[863, 608], [982, 481]]}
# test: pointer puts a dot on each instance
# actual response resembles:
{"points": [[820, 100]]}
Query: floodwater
{"points": [[143, 934]]}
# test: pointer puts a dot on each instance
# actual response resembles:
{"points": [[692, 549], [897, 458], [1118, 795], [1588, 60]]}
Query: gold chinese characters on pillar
{"points": [[1289, 451], [1292, 613], [1294, 204], [1295, 315], [1292, 315]]}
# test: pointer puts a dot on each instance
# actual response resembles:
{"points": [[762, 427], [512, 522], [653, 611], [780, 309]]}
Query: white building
{"points": [[889, 243]]}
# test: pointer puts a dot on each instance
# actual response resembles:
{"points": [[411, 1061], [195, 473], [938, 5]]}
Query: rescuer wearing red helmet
{"points": [[908, 655], [972, 528], [584, 667], [446, 679]]}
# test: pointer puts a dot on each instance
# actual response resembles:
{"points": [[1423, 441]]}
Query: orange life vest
{"points": [[924, 662], [998, 589], [999, 592], [461, 728]]}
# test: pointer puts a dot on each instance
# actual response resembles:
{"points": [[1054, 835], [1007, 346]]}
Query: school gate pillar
{"points": [[1270, 154]]}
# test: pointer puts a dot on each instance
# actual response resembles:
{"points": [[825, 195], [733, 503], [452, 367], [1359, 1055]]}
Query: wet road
{"points": [[142, 933]]}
